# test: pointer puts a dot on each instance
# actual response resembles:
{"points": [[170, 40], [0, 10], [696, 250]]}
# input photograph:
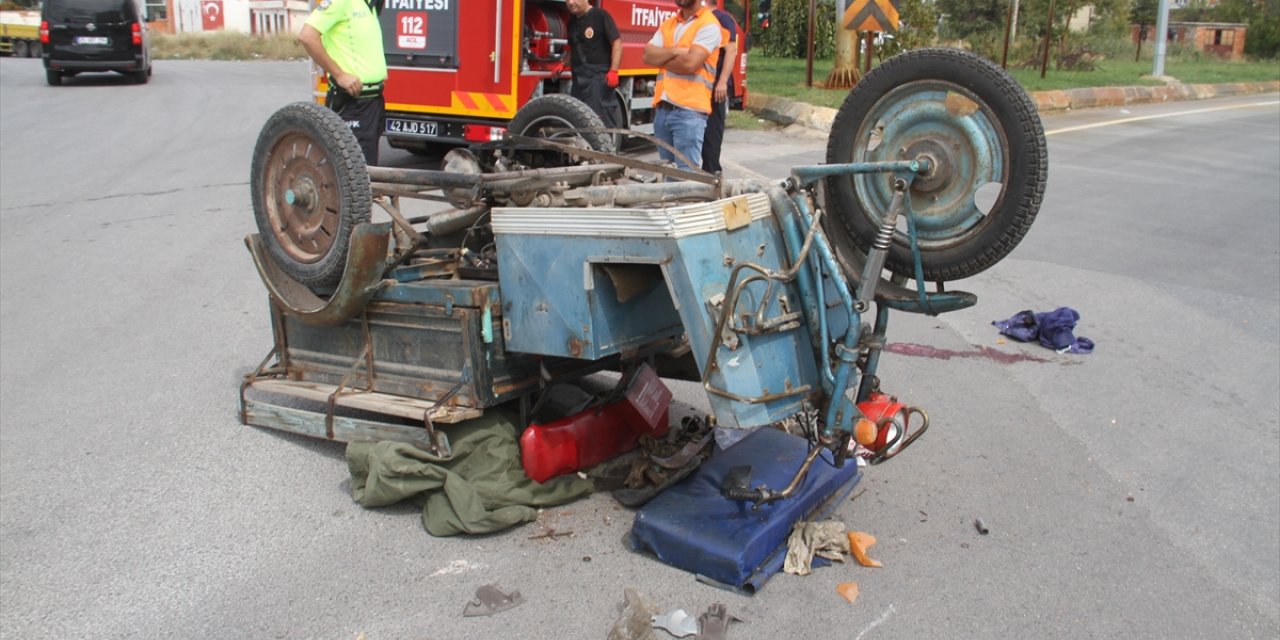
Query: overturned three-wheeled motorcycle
{"points": [[552, 258]]}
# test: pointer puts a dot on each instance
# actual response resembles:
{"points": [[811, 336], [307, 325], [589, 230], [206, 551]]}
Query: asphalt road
{"points": [[1133, 492]]}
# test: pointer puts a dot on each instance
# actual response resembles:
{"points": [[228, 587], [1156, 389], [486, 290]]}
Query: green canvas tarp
{"points": [[481, 488]]}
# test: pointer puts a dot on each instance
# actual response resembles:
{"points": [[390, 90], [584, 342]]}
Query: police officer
{"points": [[345, 39], [595, 52]]}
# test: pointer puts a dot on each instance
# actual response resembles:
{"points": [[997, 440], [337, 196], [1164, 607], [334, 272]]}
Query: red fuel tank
{"points": [[598, 433]]}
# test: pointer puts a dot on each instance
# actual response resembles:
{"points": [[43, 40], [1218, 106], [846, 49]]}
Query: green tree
{"points": [[919, 25], [1263, 18], [788, 33], [1144, 11], [1111, 18], [963, 19]]}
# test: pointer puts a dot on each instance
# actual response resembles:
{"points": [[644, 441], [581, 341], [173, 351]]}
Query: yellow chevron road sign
{"points": [[871, 15]]}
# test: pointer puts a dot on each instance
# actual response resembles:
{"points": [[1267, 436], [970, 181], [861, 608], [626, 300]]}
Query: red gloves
{"points": [[611, 78], [557, 71]]}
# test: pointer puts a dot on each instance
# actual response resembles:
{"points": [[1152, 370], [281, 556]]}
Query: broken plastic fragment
{"points": [[859, 542], [677, 623], [714, 623], [635, 619], [848, 590], [490, 600]]}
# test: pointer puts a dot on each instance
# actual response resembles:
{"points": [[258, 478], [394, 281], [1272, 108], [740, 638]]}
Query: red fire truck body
{"points": [[458, 71]]}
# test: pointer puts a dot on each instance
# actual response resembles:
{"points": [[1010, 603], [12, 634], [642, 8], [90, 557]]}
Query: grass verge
{"points": [[225, 45], [785, 77]]}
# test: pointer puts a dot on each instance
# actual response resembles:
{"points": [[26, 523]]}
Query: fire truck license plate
{"points": [[411, 127]]}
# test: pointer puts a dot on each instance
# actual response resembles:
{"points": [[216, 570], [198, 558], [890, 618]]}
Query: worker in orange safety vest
{"points": [[685, 49]]}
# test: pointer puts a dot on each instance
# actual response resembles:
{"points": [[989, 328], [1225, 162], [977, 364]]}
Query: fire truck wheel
{"points": [[310, 188], [553, 115], [981, 134]]}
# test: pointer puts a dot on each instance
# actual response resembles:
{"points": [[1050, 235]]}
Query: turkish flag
{"points": [[211, 14]]}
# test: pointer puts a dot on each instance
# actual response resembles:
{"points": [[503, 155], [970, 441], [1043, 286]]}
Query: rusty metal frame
{"points": [[630, 163], [361, 278], [366, 354]]}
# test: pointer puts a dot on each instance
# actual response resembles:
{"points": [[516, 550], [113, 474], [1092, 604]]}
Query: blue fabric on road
{"points": [[1053, 329]]}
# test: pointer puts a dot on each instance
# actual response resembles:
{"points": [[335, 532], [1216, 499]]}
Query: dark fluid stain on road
{"points": [[926, 351]]}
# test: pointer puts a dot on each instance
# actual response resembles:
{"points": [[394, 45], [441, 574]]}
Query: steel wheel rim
{"points": [[303, 199], [961, 136]]}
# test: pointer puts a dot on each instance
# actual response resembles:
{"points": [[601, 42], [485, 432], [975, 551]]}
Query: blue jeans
{"points": [[682, 129]]}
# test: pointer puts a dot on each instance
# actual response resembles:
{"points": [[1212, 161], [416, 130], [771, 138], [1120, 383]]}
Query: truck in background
{"points": [[20, 34], [460, 71]]}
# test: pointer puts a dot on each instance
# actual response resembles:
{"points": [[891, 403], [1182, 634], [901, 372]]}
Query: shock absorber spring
{"points": [[880, 247], [885, 237]]}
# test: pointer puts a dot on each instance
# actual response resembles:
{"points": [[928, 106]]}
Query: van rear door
{"points": [[91, 29]]}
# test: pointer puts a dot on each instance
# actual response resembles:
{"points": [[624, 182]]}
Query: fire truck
{"points": [[461, 73]]}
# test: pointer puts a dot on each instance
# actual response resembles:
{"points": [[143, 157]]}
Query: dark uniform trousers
{"points": [[590, 87], [365, 115], [713, 139]]}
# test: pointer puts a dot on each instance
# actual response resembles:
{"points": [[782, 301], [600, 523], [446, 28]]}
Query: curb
{"points": [[788, 112]]}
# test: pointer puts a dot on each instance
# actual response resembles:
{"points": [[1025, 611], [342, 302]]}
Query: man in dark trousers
{"points": [[595, 51], [722, 93]]}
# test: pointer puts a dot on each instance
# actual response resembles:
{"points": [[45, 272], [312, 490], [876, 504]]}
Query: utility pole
{"points": [[1162, 38], [808, 77], [1013, 30], [1008, 24], [1048, 37]]}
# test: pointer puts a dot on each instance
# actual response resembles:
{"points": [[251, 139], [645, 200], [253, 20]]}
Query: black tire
{"points": [[20, 49], [36, 49], [542, 116], [971, 116], [310, 188], [140, 77], [54, 78]]}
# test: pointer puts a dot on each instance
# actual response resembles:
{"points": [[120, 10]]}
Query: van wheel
{"points": [[560, 116], [54, 78], [981, 132], [140, 77], [310, 188]]}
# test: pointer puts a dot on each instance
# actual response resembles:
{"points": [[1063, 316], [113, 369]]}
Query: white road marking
{"points": [[457, 567], [1162, 115], [875, 623]]}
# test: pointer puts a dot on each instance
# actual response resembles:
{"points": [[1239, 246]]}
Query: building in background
{"points": [[258, 17], [1223, 39]]}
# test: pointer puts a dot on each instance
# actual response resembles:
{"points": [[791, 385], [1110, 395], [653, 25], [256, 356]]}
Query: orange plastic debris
{"points": [[859, 542], [848, 590]]}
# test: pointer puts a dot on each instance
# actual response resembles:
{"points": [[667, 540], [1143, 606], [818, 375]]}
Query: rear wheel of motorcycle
{"points": [[310, 188], [981, 132], [561, 117]]}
